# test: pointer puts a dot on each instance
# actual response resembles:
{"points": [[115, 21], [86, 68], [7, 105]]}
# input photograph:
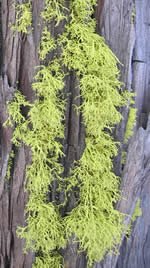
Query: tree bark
{"points": [[127, 34]]}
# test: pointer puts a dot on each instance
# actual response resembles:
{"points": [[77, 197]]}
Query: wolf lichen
{"points": [[133, 14], [136, 213], [96, 225], [54, 10], [47, 44], [131, 122], [23, 17], [96, 68], [11, 157]]}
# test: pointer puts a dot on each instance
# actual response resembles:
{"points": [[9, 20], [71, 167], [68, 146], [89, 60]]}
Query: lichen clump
{"points": [[96, 225]]}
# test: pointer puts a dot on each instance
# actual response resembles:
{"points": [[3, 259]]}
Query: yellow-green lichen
{"points": [[47, 44], [23, 20], [96, 225], [11, 157], [137, 213], [123, 158], [130, 124], [133, 14]]}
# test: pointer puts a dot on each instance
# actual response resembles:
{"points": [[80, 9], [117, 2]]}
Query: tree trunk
{"points": [[125, 27]]}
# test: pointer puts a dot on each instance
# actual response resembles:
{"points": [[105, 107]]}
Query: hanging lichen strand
{"points": [[95, 223], [23, 17]]}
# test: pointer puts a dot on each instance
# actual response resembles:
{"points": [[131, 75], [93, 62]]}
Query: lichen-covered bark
{"points": [[129, 39], [114, 23], [134, 250], [20, 56]]}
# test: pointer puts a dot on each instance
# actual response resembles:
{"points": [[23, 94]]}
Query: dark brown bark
{"points": [[18, 57]]}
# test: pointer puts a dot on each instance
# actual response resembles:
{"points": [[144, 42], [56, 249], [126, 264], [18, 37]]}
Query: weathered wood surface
{"points": [[134, 251], [141, 61], [18, 57]]}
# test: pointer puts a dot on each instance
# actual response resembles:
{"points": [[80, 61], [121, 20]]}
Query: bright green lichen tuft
{"points": [[47, 44], [48, 261], [54, 10], [45, 231], [133, 14], [11, 157], [23, 17], [96, 225], [137, 213], [130, 124], [123, 158]]}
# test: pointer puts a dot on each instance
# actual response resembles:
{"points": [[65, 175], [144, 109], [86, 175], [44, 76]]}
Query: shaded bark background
{"points": [[127, 34]]}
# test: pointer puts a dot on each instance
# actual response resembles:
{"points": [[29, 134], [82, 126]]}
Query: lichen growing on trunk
{"points": [[96, 225]]}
